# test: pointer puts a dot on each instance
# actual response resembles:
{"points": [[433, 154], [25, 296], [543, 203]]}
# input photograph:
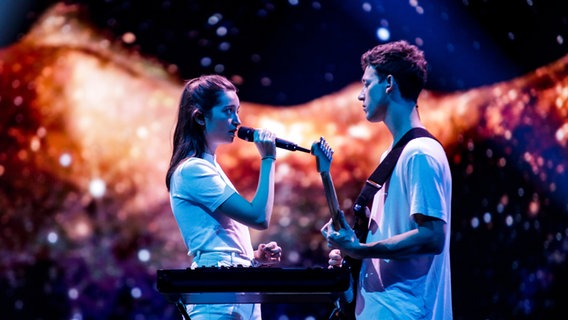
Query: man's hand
{"points": [[344, 239], [335, 258]]}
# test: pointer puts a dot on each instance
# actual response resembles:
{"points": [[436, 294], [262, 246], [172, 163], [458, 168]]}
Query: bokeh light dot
{"points": [[500, 208], [97, 188], [219, 68], [265, 81], [142, 132], [52, 237], [294, 256], [509, 221], [221, 31], [144, 255], [224, 46], [284, 221], [206, 61], [73, 294], [18, 100], [65, 160], [136, 293], [129, 37], [76, 316], [214, 19], [487, 217], [383, 34], [474, 222]]}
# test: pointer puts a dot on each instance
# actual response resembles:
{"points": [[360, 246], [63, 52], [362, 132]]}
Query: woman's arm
{"points": [[256, 213]]}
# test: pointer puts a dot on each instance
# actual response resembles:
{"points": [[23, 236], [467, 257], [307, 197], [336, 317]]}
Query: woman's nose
{"points": [[236, 120]]}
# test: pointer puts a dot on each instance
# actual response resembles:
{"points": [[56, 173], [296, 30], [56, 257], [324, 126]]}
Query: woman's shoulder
{"points": [[195, 165]]}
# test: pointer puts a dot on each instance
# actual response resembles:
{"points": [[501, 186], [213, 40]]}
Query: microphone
{"points": [[247, 134]]}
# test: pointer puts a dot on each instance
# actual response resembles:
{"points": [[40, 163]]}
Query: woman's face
{"points": [[222, 122]]}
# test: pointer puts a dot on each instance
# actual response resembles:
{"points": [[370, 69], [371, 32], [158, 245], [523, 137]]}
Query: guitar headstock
{"points": [[323, 153]]}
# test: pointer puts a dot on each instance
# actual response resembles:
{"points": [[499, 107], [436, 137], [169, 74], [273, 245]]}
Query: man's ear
{"points": [[391, 82]]}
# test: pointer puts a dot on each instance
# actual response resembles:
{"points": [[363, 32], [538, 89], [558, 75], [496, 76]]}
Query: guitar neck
{"points": [[331, 197]]}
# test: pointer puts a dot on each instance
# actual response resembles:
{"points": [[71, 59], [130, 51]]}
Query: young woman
{"points": [[213, 218]]}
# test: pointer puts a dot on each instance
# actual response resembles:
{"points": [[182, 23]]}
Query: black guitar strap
{"points": [[377, 180]]}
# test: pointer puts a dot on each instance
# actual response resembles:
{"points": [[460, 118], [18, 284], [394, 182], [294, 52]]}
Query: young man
{"points": [[405, 269]]}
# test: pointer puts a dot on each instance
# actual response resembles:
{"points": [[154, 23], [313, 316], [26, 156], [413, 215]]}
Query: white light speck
{"points": [[383, 34], [65, 160], [474, 223], [214, 19], [509, 221], [142, 132], [97, 188], [143, 255], [136, 293], [221, 31], [52, 237], [73, 294]]}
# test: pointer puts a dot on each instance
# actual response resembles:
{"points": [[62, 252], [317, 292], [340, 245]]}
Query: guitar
{"points": [[324, 155], [345, 306]]}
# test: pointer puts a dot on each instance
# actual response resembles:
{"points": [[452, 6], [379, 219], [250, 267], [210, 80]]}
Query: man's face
{"points": [[373, 95]]}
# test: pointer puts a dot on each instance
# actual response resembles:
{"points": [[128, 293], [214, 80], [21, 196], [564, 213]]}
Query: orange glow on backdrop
{"points": [[85, 127]]}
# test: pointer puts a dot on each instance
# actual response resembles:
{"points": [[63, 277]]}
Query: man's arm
{"points": [[428, 238]]}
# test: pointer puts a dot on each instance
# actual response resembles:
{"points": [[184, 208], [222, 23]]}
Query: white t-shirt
{"points": [[416, 288], [197, 188]]}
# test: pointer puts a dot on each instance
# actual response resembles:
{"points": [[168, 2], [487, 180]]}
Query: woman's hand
{"points": [[265, 142], [268, 254]]}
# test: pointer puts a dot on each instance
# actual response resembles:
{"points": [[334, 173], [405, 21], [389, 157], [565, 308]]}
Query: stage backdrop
{"points": [[85, 141]]}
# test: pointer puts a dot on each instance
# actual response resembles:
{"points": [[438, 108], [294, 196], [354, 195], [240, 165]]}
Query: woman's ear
{"points": [[199, 118]]}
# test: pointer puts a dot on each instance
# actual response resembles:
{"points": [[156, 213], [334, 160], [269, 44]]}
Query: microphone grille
{"points": [[246, 133]]}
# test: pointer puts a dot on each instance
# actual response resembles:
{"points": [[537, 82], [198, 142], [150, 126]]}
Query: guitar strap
{"points": [[377, 180]]}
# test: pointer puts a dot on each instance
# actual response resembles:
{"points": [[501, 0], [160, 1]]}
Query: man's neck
{"points": [[400, 125]]}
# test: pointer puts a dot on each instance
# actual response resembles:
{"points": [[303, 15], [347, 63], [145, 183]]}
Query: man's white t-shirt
{"points": [[416, 288]]}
